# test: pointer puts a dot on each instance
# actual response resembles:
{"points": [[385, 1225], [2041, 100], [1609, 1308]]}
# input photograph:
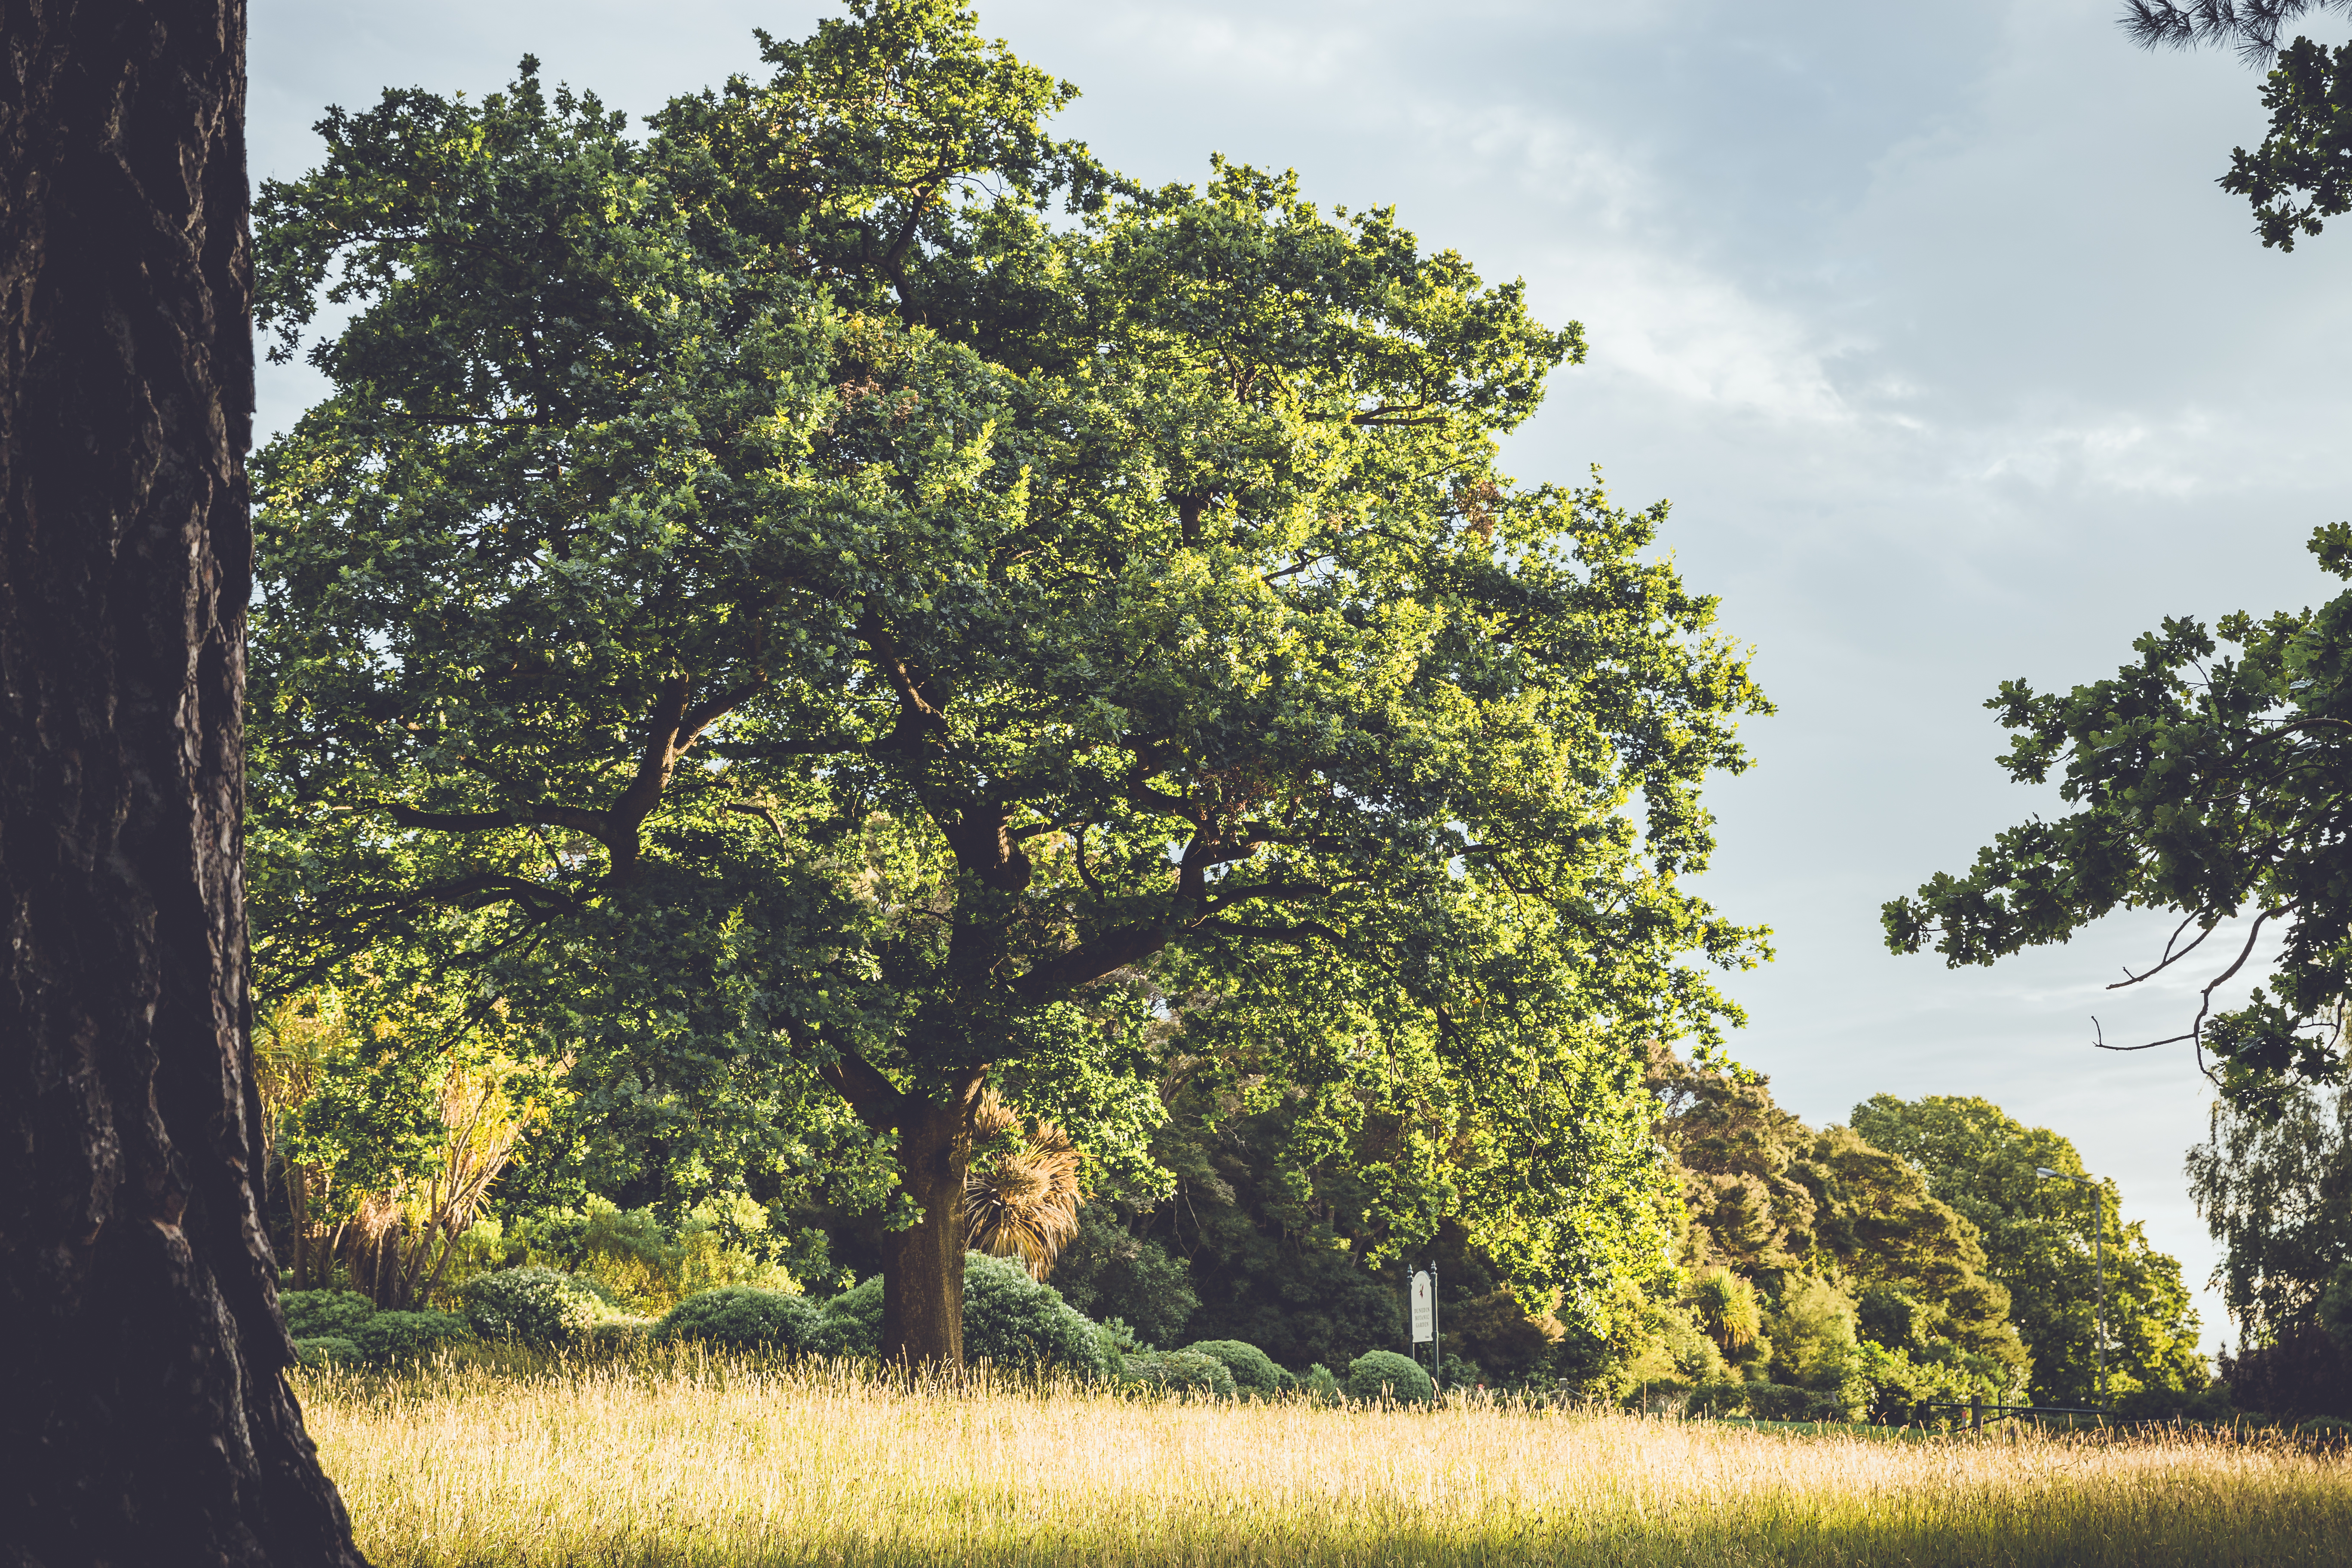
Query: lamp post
{"points": [[2098, 1266]]}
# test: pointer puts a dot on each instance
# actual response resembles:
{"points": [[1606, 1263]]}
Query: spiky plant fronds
{"points": [[1020, 1201]]}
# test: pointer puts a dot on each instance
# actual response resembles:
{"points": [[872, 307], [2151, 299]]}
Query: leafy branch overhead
{"points": [[2302, 173], [2217, 787]]}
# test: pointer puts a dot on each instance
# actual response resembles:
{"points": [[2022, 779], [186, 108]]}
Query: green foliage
{"points": [[1185, 1374], [533, 1305], [1117, 1342], [407, 1336], [1321, 1384], [1253, 1371], [766, 618], [1107, 1271], [2036, 1239], [2275, 1189], [323, 1349], [743, 1318], [1010, 1321], [1668, 1356], [324, 1314], [2307, 149], [638, 1259], [1013, 1322], [2208, 1404], [853, 1320], [1727, 1310], [1385, 1374], [1788, 1214], [2203, 785], [1493, 1331]]}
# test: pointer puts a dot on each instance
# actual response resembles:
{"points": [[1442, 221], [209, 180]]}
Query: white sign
{"points": [[1425, 1306]]}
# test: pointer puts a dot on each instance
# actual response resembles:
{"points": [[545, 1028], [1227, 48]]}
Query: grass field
{"points": [[691, 1460]]}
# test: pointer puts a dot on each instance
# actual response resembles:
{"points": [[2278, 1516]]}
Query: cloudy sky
{"points": [[1928, 319]]}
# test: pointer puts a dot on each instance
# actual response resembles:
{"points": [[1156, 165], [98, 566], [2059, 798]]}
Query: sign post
{"points": [[1422, 1303]]}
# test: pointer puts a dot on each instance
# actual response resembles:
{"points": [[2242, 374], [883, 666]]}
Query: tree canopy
{"points": [[778, 593], [2036, 1235], [2309, 149], [2218, 788]]}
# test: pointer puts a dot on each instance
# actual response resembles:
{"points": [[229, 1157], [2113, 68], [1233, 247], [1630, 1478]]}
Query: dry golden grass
{"points": [[689, 1460]]}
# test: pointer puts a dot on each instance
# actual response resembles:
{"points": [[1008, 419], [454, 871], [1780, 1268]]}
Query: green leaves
{"points": [[2213, 788], [783, 606], [2308, 151]]}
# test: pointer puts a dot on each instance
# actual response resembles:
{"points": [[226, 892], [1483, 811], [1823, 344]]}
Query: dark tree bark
{"points": [[144, 1414], [922, 1265]]}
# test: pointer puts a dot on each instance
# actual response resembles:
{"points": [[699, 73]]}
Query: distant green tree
{"points": [[1803, 1216], [2036, 1237], [2276, 1192], [777, 593]]}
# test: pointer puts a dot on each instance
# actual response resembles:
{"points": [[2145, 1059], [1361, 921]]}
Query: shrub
{"points": [[1106, 1272], [2175, 1405], [1720, 1399], [744, 1319], [1780, 1401], [324, 1314], [405, 1336], [615, 1333], [1012, 1320], [320, 1350], [536, 1306], [1118, 1342], [1184, 1373], [1320, 1386], [1378, 1373], [1253, 1371], [1494, 1334], [1812, 1333], [853, 1321]]}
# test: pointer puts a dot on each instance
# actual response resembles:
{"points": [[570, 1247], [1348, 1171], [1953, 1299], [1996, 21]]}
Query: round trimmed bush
{"points": [[1188, 1374], [1010, 1320], [1253, 1371], [407, 1336], [1378, 1373], [320, 1350], [853, 1320], [536, 1306], [324, 1314], [740, 1317]]}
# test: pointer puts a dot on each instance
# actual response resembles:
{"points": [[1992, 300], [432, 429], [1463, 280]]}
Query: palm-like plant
{"points": [[1020, 1199]]}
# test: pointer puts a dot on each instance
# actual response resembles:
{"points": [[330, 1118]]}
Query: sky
{"points": [[1928, 319]]}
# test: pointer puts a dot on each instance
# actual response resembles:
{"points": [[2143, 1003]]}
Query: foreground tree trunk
{"points": [[144, 1416]]}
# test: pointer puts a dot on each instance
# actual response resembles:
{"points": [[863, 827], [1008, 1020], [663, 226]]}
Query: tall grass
{"points": [[687, 1459]]}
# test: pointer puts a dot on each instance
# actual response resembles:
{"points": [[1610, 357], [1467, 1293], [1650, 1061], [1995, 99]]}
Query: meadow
{"points": [[665, 1460]]}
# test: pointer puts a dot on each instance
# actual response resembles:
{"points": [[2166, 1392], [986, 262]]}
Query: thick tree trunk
{"points": [[144, 1416], [922, 1268]]}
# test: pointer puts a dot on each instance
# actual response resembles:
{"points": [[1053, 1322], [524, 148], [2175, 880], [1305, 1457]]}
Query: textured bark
{"points": [[922, 1267], [144, 1414]]}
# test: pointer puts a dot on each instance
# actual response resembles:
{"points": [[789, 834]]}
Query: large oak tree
{"points": [[849, 581]]}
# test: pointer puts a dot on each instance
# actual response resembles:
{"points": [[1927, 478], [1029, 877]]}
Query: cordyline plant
{"points": [[764, 593]]}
